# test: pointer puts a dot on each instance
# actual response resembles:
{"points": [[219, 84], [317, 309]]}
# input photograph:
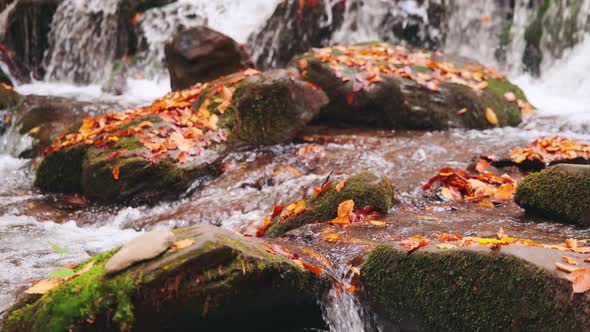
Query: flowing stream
{"points": [[32, 225]]}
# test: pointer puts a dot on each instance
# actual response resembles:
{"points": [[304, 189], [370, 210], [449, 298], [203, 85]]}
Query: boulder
{"points": [[142, 248], [294, 28], [219, 280], [200, 54], [388, 86], [10, 102], [365, 189], [561, 191], [473, 287], [153, 153]]}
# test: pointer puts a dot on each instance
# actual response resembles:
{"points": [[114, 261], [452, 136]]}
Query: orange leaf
{"points": [[182, 244], [116, 172], [262, 229], [565, 268], [340, 185], [414, 242], [486, 204], [312, 268], [462, 111], [505, 192], [580, 280], [319, 191], [251, 72], [491, 116], [345, 208], [569, 260], [44, 286], [571, 243], [182, 157], [330, 237]]}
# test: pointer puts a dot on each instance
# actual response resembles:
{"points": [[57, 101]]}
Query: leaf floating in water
{"points": [[58, 249]]}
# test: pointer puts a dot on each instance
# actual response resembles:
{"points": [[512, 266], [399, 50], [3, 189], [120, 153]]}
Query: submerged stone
{"points": [[142, 248], [365, 189], [474, 288], [389, 86], [561, 191], [222, 282]]}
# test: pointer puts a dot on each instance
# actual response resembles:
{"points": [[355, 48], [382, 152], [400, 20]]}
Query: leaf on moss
{"points": [[491, 116]]}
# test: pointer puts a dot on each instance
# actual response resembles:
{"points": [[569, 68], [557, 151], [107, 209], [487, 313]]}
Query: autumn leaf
{"points": [[330, 237], [344, 208], [414, 242], [569, 260], [510, 96], [287, 169], [565, 268], [44, 286], [462, 111], [486, 204], [377, 222], [491, 116], [445, 246], [505, 192], [500, 234], [182, 244], [116, 173], [571, 243], [326, 186], [261, 231], [580, 279], [340, 185]]}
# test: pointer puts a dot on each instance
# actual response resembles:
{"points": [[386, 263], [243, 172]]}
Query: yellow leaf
{"points": [[571, 243], [182, 244], [565, 268], [34, 130], [462, 111], [345, 208], [569, 260], [377, 222], [445, 246], [340, 185], [491, 116], [44, 286], [486, 203]]}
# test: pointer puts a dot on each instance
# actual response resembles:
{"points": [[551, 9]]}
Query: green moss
{"points": [[80, 301], [9, 99], [365, 189], [555, 193], [61, 171], [467, 291]]}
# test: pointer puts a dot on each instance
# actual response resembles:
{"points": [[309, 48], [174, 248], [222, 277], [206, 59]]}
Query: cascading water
{"points": [[83, 44]]}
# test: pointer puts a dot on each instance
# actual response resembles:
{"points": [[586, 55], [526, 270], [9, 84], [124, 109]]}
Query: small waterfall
{"points": [[343, 311], [83, 41]]}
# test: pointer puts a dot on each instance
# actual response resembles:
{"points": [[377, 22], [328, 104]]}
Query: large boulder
{"points": [[561, 191], [215, 279], [383, 85], [364, 189], [200, 54], [153, 153], [473, 288]]}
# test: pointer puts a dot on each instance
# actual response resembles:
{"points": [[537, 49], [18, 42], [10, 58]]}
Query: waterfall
{"points": [[83, 41]]}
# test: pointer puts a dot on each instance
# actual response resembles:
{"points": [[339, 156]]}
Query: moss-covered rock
{"points": [[222, 281], [375, 84], [474, 289], [119, 166], [561, 191], [365, 189]]}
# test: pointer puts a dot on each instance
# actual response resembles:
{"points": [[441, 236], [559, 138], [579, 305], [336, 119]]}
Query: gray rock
{"points": [[144, 247]]}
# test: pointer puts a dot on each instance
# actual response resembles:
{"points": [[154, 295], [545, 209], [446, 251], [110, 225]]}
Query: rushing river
{"points": [[32, 225]]}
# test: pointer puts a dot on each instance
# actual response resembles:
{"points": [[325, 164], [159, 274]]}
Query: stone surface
{"points": [[222, 282], [365, 189], [200, 54], [561, 191], [142, 248], [471, 288]]}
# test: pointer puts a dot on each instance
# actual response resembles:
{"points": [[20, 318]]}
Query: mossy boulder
{"points": [[267, 108], [383, 85], [473, 288], [222, 281], [561, 191], [365, 189]]}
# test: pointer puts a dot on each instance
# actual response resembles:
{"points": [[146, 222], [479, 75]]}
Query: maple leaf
{"points": [[414, 242], [344, 208], [580, 279]]}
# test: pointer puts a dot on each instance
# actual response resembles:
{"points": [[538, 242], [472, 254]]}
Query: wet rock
{"points": [[266, 108], [222, 282], [10, 102], [517, 287], [375, 85], [142, 248], [44, 118], [561, 191], [201, 54], [365, 189], [293, 29]]}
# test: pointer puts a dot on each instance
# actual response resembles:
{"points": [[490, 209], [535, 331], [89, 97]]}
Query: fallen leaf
{"points": [[414, 242], [580, 280], [116, 172], [569, 260], [264, 227], [486, 19], [571, 243], [486, 204], [345, 208], [326, 186], [340, 185], [565, 268], [377, 222], [510, 96], [491, 116], [462, 111], [312, 268], [330, 237], [504, 192], [182, 244], [44, 286], [446, 246]]}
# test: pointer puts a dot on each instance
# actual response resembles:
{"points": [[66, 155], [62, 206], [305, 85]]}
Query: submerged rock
{"points": [[466, 289], [561, 191], [142, 248], [365, 189], [222, 281], [154, 153], [201, 54], [388, 86]]}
